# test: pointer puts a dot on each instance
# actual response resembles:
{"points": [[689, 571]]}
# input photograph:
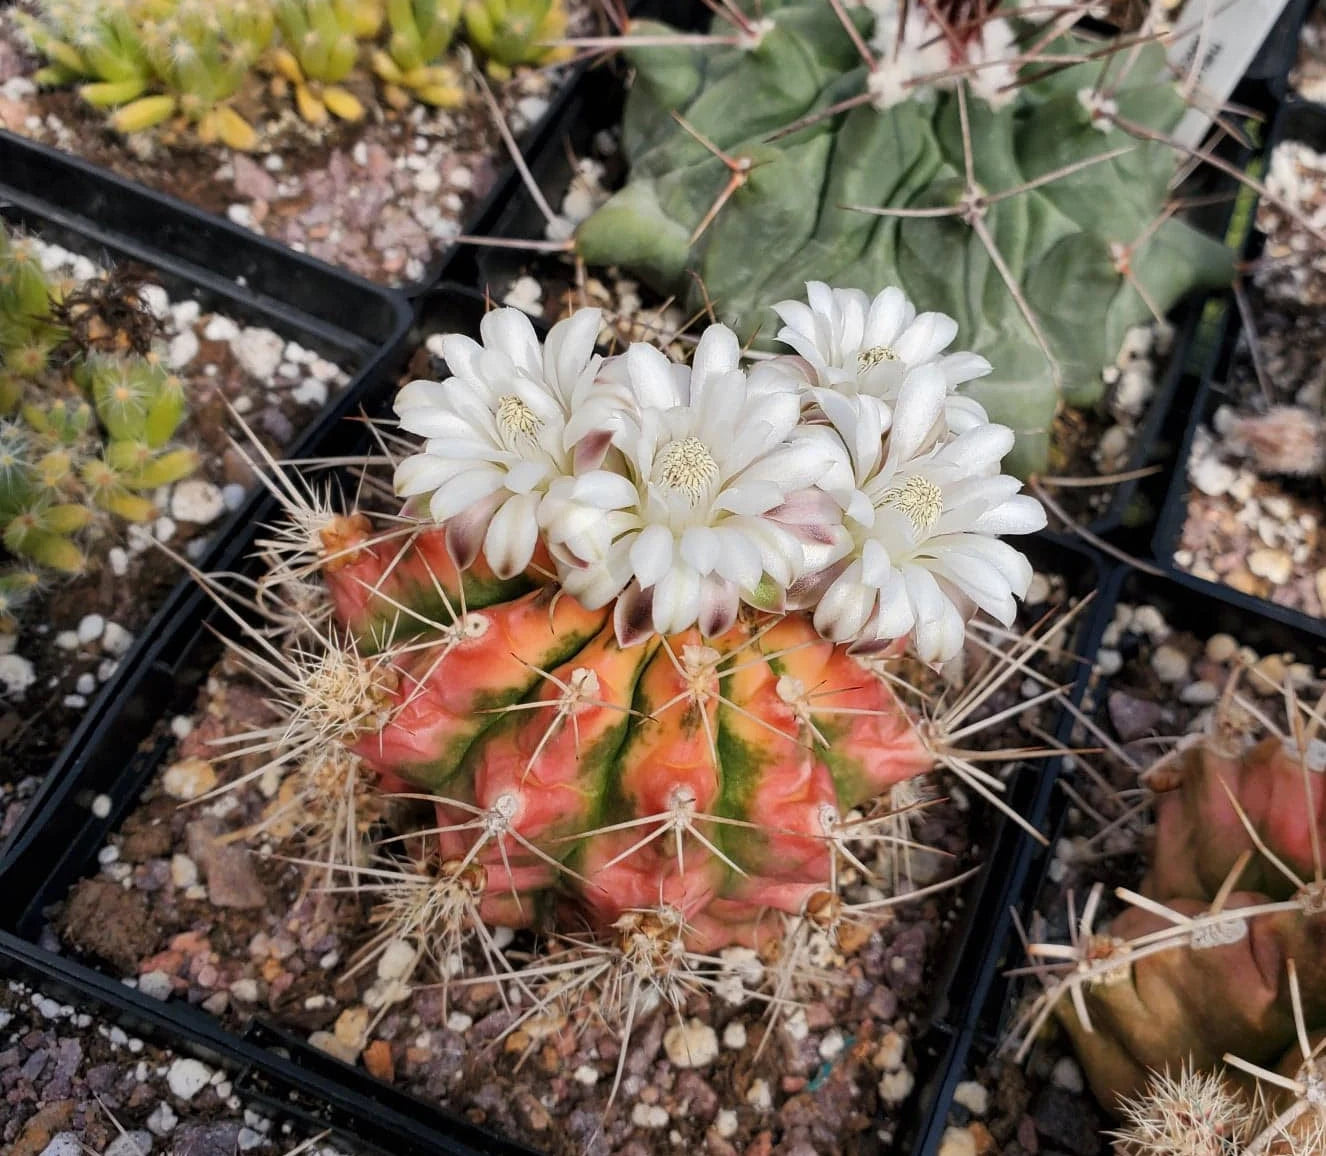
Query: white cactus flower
{"points": [[918, 548], [513, 417], [711, 507], [851, 343]]}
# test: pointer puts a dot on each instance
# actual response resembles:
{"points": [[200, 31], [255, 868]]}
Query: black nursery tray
{"points": [[125, 751], [1299, 121], [1184, 610], [226, 270]]}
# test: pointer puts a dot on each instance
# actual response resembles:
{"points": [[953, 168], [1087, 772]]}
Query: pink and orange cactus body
{"points": [[706, 778]]}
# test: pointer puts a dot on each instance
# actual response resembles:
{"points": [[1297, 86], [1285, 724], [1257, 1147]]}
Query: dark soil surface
{"points": [[74, 1084]]}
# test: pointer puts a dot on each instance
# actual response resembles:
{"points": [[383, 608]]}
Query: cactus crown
{"points": [[83, 435], [1011, 173], [153, 60]]}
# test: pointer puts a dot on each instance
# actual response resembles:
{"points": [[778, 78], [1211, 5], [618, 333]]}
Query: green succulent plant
{"points": [[1031, 204], [512, 33], [82, 435], [151, 61], [411, 64]]}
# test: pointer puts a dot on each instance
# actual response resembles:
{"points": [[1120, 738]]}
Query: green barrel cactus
{"points": [[1029, 200]]}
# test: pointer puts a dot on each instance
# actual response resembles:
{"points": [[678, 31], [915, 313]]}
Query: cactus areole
{"points": [[630, 634]]}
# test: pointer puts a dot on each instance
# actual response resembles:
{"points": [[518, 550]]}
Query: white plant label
{"points": [[1223, 36]]}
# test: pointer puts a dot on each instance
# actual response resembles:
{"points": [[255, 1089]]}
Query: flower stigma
{"points": [[687, 466], [919, 500]]}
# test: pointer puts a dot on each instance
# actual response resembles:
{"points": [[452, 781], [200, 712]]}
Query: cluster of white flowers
{"points": [[847, 478]]}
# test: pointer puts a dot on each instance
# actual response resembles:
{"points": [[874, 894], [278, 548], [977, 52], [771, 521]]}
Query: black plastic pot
{"points": [[126, 746], [987, 1028], [344, 318], [1296, 121]]}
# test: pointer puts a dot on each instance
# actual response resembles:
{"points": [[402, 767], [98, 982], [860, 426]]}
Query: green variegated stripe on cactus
{"points": [[1092, 251], [604, 758]]}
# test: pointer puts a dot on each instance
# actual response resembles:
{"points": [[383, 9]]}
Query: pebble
{"points": [[137, 1143], [156, 300], [232, 495], [115, 640], [187, 1077], [831, 1045], [91, 628], [119, 561], [155, 985], [1221, 647], [181, 726], [183, 349], [259, 351], [245, 990], [725, 1123], [525, 294], [1067, 1075], [323, 369], [895, 1087], [1108, 661], [734, 1035], [1201, 693], [67, 640], [1038, 590], [1211, 476], [585, 1075], [427, 181], [63, 1144], [220, 329], [188, 778], [396, 960], [164, 529], [310, 392], [17, 674], [351, 1027], [888, 1056], [1274, 565], [693, 1044], [649, 1116], [197, 501], [758, 1095], [972, 1096], [101, 806], [183, 871], [162, 1121], [957, 1142], [1170, 665]]}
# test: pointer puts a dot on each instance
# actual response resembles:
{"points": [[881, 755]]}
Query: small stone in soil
{"points": [[197, 501]]}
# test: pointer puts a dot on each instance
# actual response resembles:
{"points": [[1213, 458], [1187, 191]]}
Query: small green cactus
{"points": [[512, 33], [1030, 203], [187, 61], [320, 51], [150, 60], [81, 435], [421, 32]]}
